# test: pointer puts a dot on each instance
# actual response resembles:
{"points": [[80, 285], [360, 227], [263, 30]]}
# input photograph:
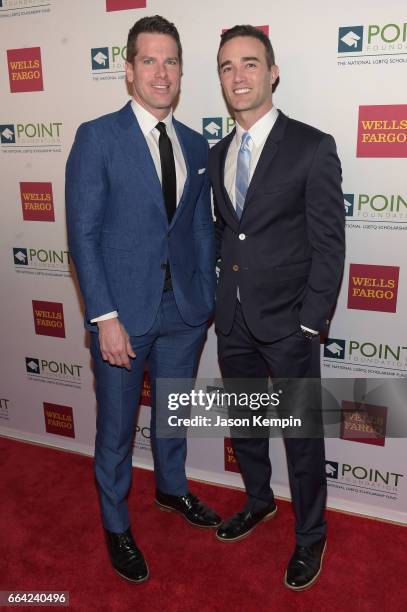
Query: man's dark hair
{"points": [[249, 30], [151, 25]]}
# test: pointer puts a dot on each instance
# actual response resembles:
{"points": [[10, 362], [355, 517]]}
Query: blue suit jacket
{"points": [[118, 232]]}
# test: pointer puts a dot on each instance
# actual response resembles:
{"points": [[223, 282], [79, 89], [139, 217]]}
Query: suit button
{"points": [[327, 322], [242, 236], [163, 266], [235, 268]]}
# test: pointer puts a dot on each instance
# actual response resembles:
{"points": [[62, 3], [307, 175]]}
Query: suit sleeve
{"points": [[86, 191], [219, 228], [204, 236], [219, 222], [325, 217]]}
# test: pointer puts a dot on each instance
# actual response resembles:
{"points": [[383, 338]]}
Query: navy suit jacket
{"points": [[118, 231], [286, 253]]}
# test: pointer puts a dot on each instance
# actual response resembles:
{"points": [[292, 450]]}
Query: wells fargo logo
{"points": [[59, 420], [373, 287], [49, 318], [145, 399], [363, 423], [25, 69], [37, 201], [382, 131], [231, 464], [123, 5]]}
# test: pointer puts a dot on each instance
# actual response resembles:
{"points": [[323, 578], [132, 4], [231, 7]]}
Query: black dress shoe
{"points": [[305, 566], [126, 558], [190, 507], [240, 525]]}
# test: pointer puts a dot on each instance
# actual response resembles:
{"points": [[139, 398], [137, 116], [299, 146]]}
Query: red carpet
{"points": [[51, 539]]}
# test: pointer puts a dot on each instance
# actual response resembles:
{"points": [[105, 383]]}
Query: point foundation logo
{"points": [[108, 62], [382, 131], [100, 58], [334, 348], [350, 39], [37, 201], [48, 318], [373, 287], [54, 372], [124, 5], [20, 256], [44, 262], [20, 8], [383, 207], [349, 202], [26, 138], [363, 479], [25, 70], [142, 437], [7, 134], [384, 43], [365, 423], [214, 128], [142, 432], [332, 469], [231, 464], [356, 355], [59, 420]]}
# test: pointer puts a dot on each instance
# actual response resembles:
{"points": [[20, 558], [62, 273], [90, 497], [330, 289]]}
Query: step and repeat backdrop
{"points": [[343, 71]]}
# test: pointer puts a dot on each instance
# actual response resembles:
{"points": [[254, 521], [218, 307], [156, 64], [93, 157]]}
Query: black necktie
{"points": [[168, 175]]}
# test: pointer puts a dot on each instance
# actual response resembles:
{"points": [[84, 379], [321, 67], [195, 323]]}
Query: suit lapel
{"points": [[132, 140], [222, 152], [188, 163], [266, 158]]}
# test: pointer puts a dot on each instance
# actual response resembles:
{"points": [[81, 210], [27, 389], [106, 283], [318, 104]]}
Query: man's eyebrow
{"points": [[171, 57], [248, 58], [226, 63]]}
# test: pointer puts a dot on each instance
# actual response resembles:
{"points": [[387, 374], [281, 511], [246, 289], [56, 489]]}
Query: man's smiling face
{"points": [[245, 77], [155, 74]]}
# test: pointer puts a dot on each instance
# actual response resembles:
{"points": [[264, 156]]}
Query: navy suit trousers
{"points": [[295, 358]]}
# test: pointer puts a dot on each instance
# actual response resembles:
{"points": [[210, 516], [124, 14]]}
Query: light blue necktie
{"points": [[242, 173]]}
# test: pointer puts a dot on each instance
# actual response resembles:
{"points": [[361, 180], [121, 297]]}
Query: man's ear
{"points": [[129, 72], [275, 72]]}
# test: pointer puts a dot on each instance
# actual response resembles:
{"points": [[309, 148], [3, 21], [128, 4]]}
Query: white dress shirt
{"points": [[147, 123], [259, 133]]}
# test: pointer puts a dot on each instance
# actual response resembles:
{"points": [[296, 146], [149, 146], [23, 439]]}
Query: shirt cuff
{"points": [[109, 315], [311, 331]]}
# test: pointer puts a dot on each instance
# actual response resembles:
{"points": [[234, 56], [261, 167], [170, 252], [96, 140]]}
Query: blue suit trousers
{"points": [[171, 348]]}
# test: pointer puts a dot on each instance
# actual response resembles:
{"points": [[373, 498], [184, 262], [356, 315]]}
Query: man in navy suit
{"points": [[141, 235], [280, 233]]}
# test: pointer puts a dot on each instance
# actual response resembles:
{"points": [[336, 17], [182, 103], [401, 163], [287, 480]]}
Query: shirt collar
{"points": [[147, 121], [259, 130]]}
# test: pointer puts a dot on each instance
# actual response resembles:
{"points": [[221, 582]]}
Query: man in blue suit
{"points": [[141, 235]]}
